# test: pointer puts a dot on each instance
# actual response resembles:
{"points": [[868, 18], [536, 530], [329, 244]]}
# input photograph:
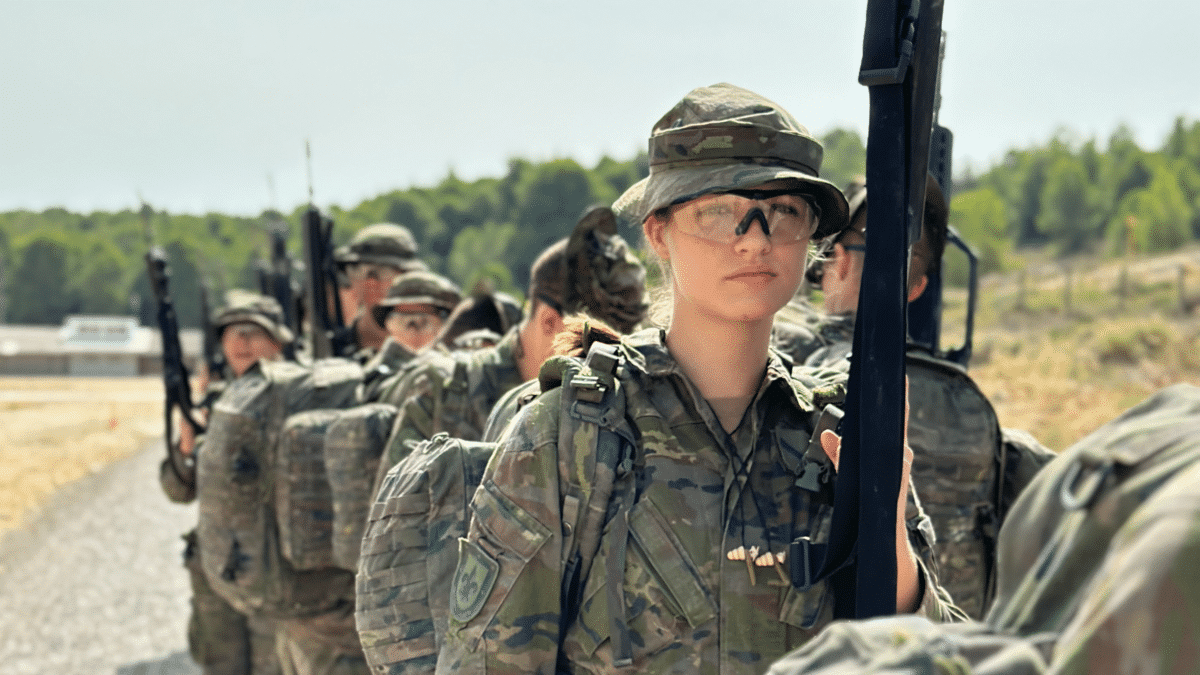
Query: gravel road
{"points": [[93, 583]]}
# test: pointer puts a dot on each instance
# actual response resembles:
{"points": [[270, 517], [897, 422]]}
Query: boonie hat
{"points": [[246, 307], [722, 138], [381, 244], [418, 288]]}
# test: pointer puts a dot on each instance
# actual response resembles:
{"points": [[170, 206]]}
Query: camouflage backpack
{"points": [[957, 455], [410, 548], [1095, 568], [354, 443], [252, 472]]}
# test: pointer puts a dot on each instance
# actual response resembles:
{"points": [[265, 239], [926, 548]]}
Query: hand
{"points": [[906, 561]]}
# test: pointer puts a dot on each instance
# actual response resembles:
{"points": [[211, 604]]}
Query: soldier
{"points": [[970, 470], [481, 320], [1097, 568], [375, 256], [592, 270], [706, 429], [222, 640], [415, 309]]}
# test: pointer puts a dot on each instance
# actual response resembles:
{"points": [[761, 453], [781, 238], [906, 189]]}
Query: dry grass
{"points": [[1061, 372], [57, 430]]}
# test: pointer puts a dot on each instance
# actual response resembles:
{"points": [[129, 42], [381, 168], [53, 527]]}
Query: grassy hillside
{"points": [[1059, 365]]}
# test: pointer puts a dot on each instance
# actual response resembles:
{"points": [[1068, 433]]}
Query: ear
{"points": [[548, 320], [654, 229], [918, 288], [841, 261]]}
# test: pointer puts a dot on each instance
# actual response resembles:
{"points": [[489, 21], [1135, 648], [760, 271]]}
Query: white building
{"points": [[112, 346]]}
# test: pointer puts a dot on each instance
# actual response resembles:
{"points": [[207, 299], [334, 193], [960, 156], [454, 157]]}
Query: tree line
{"points": [[1070, 196]]}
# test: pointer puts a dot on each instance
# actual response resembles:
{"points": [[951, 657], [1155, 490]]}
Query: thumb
{"points": [[831, 443]]}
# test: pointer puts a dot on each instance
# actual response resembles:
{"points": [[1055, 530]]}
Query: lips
{"points": [[752, 273]]}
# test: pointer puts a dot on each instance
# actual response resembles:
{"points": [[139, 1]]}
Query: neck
{"points": [[528, 363], [369, 333], [724, 359]]}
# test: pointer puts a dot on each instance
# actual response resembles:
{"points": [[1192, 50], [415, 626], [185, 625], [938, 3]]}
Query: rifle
{"points": [[899, 65], [329, 335], [175, 374]]}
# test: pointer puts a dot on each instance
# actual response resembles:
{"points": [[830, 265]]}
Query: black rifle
{"points": [[175, 373], [278, 281], [328, 335], [214, 355], [900, 51]]}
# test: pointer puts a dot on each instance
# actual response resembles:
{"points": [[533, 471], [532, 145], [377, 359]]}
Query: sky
{"points": [[206, 105]]}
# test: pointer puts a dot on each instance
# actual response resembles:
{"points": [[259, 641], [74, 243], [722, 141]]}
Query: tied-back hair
{"points": [[580, 333]]}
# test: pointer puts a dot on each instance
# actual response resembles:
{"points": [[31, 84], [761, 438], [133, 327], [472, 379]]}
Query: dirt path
{"points": [[92, 582]]}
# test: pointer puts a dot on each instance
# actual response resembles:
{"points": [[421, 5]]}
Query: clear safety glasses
{"points": [[364, 271], [785, 217], [414, 322]]}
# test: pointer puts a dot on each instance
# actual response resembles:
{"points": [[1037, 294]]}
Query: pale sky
{"points": [[202, 106]]}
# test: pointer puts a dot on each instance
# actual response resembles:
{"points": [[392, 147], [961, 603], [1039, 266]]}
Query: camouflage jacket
{"points": [[1097, 568], [383, 370], [801, 330], [701, 495], [450, 392]]}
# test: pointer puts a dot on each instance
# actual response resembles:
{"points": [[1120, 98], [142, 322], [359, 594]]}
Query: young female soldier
{"points": [[688, 573]]}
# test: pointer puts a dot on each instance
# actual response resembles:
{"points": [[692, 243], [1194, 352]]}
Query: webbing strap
{"points": [[614, 580]]}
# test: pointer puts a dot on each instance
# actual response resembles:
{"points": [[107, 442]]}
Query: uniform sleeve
{"points": [[176, 489], [504, 600], [936, 603]]}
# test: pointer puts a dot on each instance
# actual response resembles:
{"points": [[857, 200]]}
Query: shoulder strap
{"points": [[593, 403]]}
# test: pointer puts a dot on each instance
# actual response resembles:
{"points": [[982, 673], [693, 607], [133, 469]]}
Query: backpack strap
{"points": [[593, 403]]}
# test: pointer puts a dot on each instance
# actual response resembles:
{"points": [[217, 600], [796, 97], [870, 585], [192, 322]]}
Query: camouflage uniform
{"points": [[1097, 568], [450, 392], [701, 493], [801, 330], [222, 640]]}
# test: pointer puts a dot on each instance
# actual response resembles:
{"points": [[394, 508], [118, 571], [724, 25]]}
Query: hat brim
{"points": [[345, 257], [667, 187], [280, 334], [381, 311]]}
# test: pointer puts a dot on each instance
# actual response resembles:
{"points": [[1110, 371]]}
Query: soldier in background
{"points": [[592, 271], [481, 320], [221, 640], [375, 256], [413, 312]]}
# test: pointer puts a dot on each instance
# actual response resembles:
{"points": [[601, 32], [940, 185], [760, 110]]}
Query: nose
{"points": [[755, 239]]}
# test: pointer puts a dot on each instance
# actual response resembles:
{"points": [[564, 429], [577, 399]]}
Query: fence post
{"points": [[1067, 290]]}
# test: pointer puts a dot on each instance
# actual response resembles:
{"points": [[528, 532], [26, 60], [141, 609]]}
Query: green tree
{"points": [[42, 291], [1069, 214], [980, 216], [479, 253], [845, 156]]}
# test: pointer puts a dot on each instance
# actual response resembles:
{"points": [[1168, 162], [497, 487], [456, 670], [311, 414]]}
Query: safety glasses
{"points": [[371, 271], [785, 217], [414, 322]]}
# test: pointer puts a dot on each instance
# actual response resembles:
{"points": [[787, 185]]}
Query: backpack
{"points": [[410, 546], [246, 471], [957, 459], [354, 443], [1064, 579]]}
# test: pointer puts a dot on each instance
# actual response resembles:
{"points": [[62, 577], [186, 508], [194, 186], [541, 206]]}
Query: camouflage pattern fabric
{"points": [[325, 644], [354, 443], [689, 605], [303, 497], [237, 480], [1096, 567], [801, 330], [507, 407], [450, 392], [381, 369], [409, 552]]}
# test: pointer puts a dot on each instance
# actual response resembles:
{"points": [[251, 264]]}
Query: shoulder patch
{"points": [[473, 581]]}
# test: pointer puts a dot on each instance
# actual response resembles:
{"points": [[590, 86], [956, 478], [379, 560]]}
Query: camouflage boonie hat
{"points": [[419, 288], [381, 244], [722, 138], [246, 307]]}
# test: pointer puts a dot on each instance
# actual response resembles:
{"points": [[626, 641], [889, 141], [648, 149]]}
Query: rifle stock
{"points": [[175, 374]]}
